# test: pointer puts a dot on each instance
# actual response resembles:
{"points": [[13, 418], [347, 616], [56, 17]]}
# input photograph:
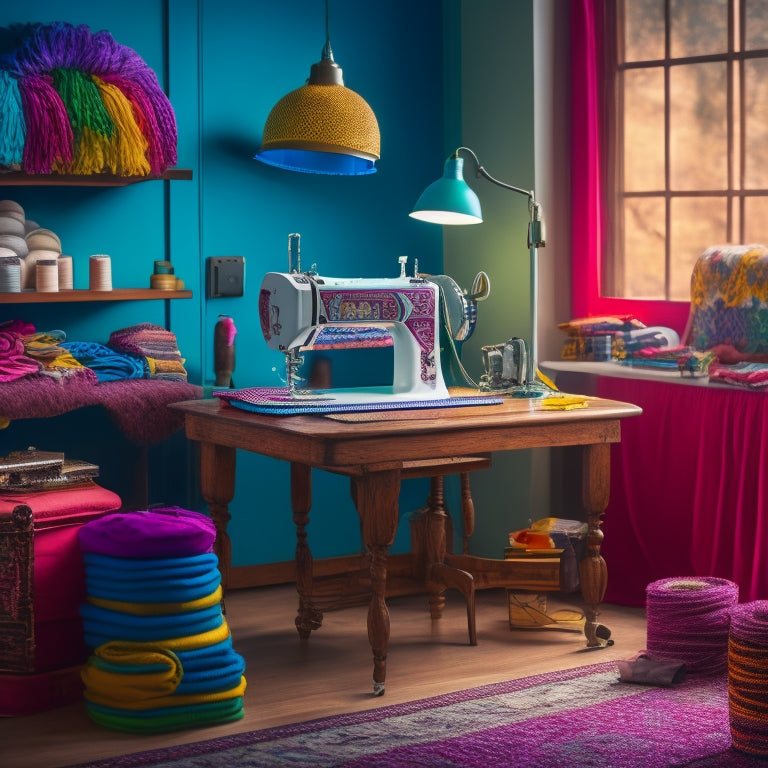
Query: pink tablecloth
{"points": [[689, 488]]}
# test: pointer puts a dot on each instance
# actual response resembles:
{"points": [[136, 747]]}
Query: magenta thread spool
{"points": [[689, 620], [748, 677]]}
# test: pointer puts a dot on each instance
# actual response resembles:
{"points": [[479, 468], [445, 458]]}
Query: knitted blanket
{"points": [[138, 407]]}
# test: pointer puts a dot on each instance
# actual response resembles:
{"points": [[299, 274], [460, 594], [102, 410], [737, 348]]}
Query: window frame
{"points": [[595, 157]]}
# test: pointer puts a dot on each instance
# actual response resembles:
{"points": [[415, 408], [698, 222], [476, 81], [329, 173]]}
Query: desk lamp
{"points": [[322, 127], [450, 200]]}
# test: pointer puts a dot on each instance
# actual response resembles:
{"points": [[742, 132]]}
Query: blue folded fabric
{"points": [[102, 625], [107, 364], [143, 592], [159, 567]]}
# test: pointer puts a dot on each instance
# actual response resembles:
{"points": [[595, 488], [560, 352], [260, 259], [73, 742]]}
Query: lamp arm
{"points": [[536, 229]]}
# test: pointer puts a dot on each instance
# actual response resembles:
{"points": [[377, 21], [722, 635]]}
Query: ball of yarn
{"points": [[748, 677], [689, 620]]}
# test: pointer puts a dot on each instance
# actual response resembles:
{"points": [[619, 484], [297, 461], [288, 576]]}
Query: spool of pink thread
{"points": [[688, 621]]}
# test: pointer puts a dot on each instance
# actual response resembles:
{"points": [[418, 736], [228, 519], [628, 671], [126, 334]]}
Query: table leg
{"points": [[593, 571], [309, 616], [217, 485], [376, 494]]}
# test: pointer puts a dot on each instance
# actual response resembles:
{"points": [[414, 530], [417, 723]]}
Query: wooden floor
{"points": [[291, 681]]}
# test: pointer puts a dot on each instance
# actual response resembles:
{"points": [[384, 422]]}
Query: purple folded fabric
{"points": [[161, 532]]}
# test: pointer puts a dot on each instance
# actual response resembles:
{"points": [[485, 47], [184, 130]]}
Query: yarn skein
{"points": [[689, 620], [748, 677]]}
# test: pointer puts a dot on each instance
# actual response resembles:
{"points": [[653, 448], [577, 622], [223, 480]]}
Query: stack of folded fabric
{"points": [[161, 651], [154, 343]]}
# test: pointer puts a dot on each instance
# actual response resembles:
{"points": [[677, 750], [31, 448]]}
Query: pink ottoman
{"points": [[42, 585]]}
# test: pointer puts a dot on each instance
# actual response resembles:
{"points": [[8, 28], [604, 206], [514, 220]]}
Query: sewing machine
{"points": [[302, 311]]}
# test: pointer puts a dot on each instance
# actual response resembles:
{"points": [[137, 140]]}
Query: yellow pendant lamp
{"points": [[322, 127]]}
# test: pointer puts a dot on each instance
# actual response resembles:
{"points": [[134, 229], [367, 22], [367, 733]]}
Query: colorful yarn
{"points": [[88, 105], [127, 148], [13, 127], [748, 677], [82, 100], [49, 135], [689, 619]]}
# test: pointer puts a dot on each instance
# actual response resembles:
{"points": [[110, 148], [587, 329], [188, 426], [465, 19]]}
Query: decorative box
{"points": [[42, 584]]}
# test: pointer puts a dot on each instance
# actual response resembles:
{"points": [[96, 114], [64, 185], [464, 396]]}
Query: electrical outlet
{"points": [[225, 276]]}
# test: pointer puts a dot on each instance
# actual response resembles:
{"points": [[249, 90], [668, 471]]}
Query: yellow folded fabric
{"points": [[132, 686], [107, 700], [158, 609], [564, 402]]}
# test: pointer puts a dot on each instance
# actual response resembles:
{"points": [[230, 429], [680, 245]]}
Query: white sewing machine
{"points": [[295, 309]]}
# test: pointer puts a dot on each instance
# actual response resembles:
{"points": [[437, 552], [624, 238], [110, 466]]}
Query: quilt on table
{"points": [[729, 303]]}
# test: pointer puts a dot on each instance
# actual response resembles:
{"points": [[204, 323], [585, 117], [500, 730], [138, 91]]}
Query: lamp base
{"points": [[531, 389]]}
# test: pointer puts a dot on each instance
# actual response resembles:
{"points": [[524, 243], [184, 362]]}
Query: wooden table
{"points": [[375, 450]]}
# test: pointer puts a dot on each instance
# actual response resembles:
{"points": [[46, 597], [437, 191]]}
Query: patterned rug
{"points": [[575, 718]]}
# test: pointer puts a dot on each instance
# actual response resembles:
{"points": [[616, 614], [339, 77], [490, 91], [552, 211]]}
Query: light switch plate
{"points": [[225, 276]]}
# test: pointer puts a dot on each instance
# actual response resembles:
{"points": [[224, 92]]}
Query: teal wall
{"points": [[224, 64]]}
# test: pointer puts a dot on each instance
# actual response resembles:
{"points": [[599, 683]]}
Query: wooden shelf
{"points": [[119, 294], [18, 179]]}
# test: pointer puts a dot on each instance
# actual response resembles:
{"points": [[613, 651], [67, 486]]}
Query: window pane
{"points": [[644, 130], [698, 135], [698, 27], [755, 215], [644, 30], [697, 223], [644, 234], [756, 114], [756, 24]]}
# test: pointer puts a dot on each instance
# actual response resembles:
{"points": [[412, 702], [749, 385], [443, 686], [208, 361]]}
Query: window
{"points": [[680, 144]]}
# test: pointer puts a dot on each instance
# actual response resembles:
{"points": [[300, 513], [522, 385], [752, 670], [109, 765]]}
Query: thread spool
{"points": [[47, 276], [748, 677], [10, 274], [66, 279], [688, 620], [100, 272]]}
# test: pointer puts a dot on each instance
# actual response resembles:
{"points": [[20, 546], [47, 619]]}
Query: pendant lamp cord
{"points": [[327, 52]]}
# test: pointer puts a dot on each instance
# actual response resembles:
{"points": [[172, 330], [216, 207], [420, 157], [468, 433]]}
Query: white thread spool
{"points": [[66, 282], [47, 276], [10, 272], [100, 272]]}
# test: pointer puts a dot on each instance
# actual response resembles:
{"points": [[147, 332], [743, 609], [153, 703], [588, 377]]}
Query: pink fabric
{"points": [[592, 90], [137, 406], [689, 489]]}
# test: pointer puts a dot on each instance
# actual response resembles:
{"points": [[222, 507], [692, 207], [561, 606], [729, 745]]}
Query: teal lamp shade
{"points": [[449, 200]]}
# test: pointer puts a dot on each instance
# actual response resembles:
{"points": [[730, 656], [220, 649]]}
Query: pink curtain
{"points": [[593, 164], [689, 488], [587, 152]]}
